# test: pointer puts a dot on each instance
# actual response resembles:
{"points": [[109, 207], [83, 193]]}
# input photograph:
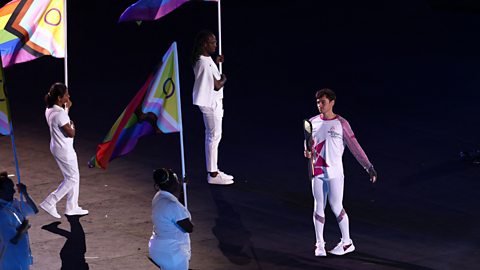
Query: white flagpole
{"points": [[65, 60], [183, 160], [219, 34], [182, 151]]}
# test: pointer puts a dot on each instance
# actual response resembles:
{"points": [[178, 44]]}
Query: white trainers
{"points": [[51, 209], [320, 250], [343, 248], [219, 180], [77, 212], [226, 176]]}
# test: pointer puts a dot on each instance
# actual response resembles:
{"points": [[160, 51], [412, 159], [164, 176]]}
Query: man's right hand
{"points": [[307, 154], [219, 59], [373, 174]]}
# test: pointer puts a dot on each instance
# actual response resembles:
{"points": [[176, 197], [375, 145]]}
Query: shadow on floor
{"points": [[73, 252], [233, 237], [367, 258]]}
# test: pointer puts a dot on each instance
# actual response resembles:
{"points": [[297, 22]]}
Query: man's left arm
{"points": [[356, 150]]}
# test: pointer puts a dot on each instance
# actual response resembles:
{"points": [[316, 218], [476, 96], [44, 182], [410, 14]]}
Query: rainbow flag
{"points": [[154, 109], [5, 128], [149, 10], [30, 29]]}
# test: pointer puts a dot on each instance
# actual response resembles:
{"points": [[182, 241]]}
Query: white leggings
{"points": [[212, 117], [70, 184], [331, 189]]}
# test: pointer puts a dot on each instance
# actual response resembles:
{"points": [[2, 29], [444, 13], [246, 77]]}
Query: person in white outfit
{"points": [[208, 96], [62, 132], [169, 246], [330, 134]]}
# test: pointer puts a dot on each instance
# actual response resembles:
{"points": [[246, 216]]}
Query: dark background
{"points": [[406, 74], [396, 67]]}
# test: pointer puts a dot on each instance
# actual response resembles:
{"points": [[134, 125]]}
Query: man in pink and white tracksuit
{"points": [[330, 134]]}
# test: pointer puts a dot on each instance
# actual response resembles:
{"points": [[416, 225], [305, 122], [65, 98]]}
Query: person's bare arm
{"points": [[218, 84], [69, 129], [186, 225]]}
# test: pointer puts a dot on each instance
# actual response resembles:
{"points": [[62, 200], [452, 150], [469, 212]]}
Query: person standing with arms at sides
{"points": [[15, 251], [62, 132], [330, 134], [169, 246], [208, 96]]}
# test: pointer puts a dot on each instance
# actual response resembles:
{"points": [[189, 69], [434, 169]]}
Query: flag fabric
{"points": [[154, 109], [149, 10], [5, 128], [30, 29]]}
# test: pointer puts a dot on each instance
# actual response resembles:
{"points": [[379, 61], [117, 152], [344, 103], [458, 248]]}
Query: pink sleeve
{"points": [[353, 145]]}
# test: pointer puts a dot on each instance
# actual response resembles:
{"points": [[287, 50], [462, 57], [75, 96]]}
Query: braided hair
{"points": [[200, 40], [164, 179]]}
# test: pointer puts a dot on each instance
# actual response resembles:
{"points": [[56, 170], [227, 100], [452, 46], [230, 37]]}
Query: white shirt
{"points": [[329, 140], [166, 211], [203, 89], [60, 143]]}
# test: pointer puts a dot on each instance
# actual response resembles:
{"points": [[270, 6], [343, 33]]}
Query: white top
{"points": [[166, 211], [57, 117], [12, 215], [203, 89], [329, 140]]}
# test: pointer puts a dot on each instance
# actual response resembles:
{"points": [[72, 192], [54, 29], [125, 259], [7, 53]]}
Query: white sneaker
{"points": [[219, 180], [51, 209], [320, 250], [343, 248], [77, 212], [226, 176]]}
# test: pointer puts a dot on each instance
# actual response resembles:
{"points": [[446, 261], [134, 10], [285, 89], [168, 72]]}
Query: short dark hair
{"points": [[327, 92], [3, 179]]}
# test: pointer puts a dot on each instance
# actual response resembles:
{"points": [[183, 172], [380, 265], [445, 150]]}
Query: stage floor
{"points": [[263, 221]]}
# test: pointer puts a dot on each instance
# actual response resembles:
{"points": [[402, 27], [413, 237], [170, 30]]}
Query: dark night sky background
{"points": [[406, 74], [407, 77]]}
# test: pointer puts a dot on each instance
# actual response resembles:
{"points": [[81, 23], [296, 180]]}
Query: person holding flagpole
{"points": [[208, 96], [62, 132], [169, 246], [14, 240]]}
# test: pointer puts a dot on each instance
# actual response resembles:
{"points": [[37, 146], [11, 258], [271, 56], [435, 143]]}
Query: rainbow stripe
{"points": [[4, 110], [30, 29], [154, 109], [149, 10]]}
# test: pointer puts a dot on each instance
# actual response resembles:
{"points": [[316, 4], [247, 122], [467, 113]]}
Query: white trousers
{"points": [[70, 185], [331, 189], [212, 118], [169, 254]]}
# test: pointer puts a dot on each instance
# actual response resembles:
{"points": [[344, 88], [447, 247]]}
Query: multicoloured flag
{"points": [[30, 29], [5, 128], [154, 109], [149, 10]]}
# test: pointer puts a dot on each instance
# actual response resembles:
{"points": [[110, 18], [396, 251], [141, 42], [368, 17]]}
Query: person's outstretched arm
{"points": [[356, 149]]}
